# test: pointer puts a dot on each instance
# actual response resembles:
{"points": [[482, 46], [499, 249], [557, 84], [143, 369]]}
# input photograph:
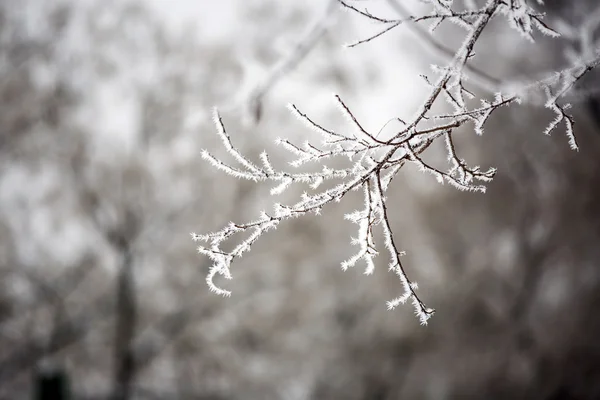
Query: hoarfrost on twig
{"points": [[375, 162]]}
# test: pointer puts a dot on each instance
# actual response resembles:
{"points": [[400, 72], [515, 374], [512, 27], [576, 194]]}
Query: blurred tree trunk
{"points": [[126, 310]]}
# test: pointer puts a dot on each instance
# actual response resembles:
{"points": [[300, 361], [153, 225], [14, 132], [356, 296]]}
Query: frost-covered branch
{"points": [[374, 161], [291, 60]]}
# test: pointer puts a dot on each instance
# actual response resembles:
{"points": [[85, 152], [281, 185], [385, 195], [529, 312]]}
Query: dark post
{"points": [[51, 385]]}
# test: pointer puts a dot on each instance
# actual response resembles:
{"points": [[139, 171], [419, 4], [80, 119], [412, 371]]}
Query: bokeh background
{"points": [[105, 107]]}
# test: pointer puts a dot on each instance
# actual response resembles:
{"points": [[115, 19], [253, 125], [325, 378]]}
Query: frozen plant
{"points": [[375, 161]]}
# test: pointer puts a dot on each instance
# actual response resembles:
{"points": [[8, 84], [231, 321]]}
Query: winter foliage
{"points": [[375, 161]]}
